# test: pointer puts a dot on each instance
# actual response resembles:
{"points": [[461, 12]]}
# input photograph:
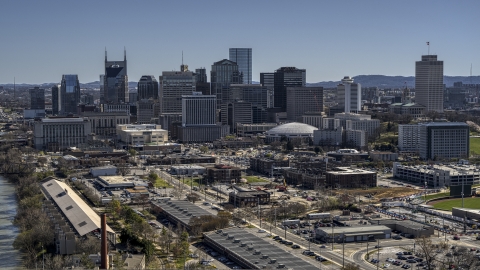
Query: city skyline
{"points": [[39, 48]]}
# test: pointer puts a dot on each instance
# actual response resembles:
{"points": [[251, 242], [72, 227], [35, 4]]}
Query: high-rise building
{"points": [[56, 99], [440, 140], [349, 95], [286, 77], [37, 98], [146, 110], [301, 100], [236, 112], [429, 83], [267, 80], [259, 96], [70, 94], [115, 83], [222, 74], [243, 58], [147, 87], [198, 109], [202, 84], [173, 85]]}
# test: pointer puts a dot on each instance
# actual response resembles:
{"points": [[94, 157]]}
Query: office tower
{"points": [[301, 100], [222, 74], [147, 87], [56, 100], [259, 96], [286, 77], [267, 80], [349, 95], [70, 94], [441, 140], [102, 88], [201, 74], [243, 58], [115, 81], [173, 85], [198, 109], [429, 83], [37, 98], [133, 97], [86, 99], [236, 112], [146, 111], [202, 85]]}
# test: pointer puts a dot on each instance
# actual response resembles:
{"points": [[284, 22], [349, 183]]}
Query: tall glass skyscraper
{"points": [[243, 58], [69, 94], [115, 84]]}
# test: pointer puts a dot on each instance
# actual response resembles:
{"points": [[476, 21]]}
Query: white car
{"points": [[386, 265], [261, 231]]}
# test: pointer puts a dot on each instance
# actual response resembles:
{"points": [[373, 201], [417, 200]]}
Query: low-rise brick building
{"points": [[223, 173]]}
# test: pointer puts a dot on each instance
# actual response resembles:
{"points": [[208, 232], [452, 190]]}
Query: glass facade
{"points": [[147, 88], [115, 84], [243, 58], [69, 94], [286, 77], [222, 74]]}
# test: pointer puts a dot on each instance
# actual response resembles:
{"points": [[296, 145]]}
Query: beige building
{"points": [[145, 134], [429, 83], [56, 134], [105, 123]]}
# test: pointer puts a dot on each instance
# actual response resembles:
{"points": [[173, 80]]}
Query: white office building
{"points": [[142, 134], [349, 95], [408, 138]]}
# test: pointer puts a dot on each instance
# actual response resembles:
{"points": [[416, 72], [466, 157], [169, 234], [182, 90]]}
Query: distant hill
{"points": [[380, 81]]}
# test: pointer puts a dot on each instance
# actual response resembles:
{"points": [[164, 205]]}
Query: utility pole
{"points": [[343, 253], [378, 253]]}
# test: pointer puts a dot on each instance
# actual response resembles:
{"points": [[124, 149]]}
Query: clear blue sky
{"points": [[41, 40]]}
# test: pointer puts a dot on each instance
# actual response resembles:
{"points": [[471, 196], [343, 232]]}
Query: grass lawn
{"points": [[475, 146], [472, 203], [160, 183], [188, 181], [437, 195], [254, 179]]}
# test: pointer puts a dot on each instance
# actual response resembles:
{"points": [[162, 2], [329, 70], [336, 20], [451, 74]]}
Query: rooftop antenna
{"points": [[13, 88], [428, 44], [124, 53], [182, 58], [105, 53]]}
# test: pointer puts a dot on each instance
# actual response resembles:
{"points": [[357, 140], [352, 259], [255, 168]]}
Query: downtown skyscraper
{"points": [[243, 58], [115, 81], [286, 77], [69, 94], [147, 88], [429, 83]]}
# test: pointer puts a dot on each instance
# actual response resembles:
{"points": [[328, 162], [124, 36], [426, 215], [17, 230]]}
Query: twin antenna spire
{"points": [[124, 54]]}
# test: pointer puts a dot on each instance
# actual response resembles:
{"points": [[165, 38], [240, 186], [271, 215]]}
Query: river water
{"points": [[10, 258]]}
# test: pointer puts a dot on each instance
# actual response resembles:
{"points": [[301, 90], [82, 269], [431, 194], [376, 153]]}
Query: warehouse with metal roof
{"points": [[252, 252]]}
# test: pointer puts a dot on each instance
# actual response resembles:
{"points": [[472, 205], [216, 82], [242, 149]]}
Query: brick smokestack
{"points": [[104, 248]]}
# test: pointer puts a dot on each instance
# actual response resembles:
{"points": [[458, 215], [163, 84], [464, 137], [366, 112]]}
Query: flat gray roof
{"points": [[355, 230], [254, 243], [182, 210]]}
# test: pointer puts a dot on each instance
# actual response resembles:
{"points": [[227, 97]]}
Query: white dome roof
{"points": [[290, 129]]}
